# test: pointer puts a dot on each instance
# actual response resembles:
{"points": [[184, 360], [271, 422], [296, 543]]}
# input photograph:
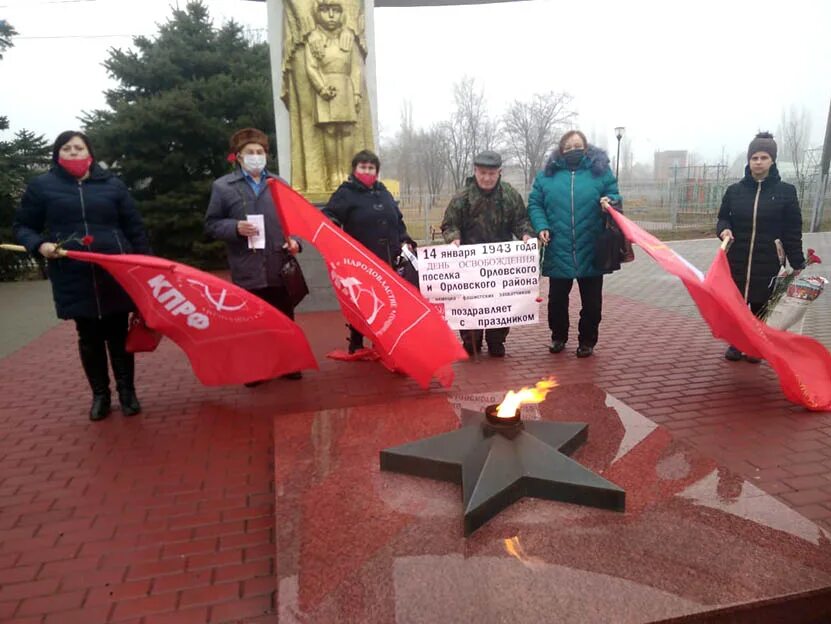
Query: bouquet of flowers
{"points": [[792, 294]]}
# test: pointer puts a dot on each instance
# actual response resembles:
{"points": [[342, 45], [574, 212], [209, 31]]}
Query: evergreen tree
{"points": [[6, 34], [180, 97], [21, 158]]}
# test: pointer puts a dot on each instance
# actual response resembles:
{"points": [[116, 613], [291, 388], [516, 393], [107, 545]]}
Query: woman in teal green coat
{"points": [[566, 208]]}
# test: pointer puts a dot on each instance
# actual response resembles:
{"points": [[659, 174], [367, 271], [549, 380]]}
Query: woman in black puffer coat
{"points": [[756, 212], [75, 199], [367, 211]]}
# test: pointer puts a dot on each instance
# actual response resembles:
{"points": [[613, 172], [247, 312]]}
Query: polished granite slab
{"points": [[355, 544]]}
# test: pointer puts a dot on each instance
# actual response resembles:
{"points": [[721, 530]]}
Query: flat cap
{"points": [[487, 159]]}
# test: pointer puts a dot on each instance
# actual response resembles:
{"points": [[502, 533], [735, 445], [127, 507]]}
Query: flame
{"points": [[513, 400], [514, 548]]}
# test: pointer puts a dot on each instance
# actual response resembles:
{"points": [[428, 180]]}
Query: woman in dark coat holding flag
{"points": [[367, 211], [78, 205], [755, 213]]}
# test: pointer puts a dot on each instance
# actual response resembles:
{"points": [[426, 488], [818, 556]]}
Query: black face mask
{"points": [[573, 158]]}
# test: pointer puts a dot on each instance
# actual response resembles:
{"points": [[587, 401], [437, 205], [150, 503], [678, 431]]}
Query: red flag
{"points": [[405, 330], [229, 335], [802, 364]]}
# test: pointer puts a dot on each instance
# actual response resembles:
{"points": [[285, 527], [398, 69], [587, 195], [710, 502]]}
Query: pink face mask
{"points": [[367, 179], [76, 167]]}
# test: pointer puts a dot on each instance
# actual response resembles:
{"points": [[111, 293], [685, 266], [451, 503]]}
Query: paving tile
{"points": [[180, 498]]}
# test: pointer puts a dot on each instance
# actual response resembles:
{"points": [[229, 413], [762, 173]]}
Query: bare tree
{"points": [[399, 158], [469, 131], [490, 136], [432, 159], [532, 127], [470, 105], [458, 152], [794, 134], [406, 141]]}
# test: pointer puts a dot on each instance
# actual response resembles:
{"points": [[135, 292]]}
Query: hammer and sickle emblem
{"points": [[219, 302], [354, 289]]}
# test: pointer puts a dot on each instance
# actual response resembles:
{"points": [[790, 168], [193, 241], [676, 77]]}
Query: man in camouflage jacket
{"points": [[487, 210]]}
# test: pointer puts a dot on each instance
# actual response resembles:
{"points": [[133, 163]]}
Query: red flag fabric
{"points": [[229, 335], [140, 338], [406, 331], [802, 364]]}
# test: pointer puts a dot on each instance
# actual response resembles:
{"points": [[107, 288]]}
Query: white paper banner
{"points": [[482, 286]]}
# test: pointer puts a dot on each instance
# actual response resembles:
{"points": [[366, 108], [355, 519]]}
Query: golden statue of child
{"points": [[324, 90]]}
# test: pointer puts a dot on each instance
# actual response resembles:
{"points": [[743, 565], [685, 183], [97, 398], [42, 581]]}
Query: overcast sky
{"points": [[703, 76]]}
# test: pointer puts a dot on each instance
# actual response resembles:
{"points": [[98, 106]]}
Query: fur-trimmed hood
{"points": [[595, 159]]}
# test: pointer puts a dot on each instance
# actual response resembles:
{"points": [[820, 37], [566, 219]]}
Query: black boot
{"points": [[356, 340], [496, 349], [472, 340], [124, 367], [94, 361], [496, 341], [584, 351], [733, 354]]}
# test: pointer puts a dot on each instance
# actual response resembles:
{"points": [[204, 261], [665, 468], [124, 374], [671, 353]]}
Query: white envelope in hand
{"points": [[258, 240]]}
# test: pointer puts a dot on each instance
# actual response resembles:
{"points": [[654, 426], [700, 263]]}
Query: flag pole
{"points": [[18, 248], [22, 249]]}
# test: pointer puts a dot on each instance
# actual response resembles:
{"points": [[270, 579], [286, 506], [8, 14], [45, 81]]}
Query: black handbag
{"points": [[293, 280], [406, 270], [627, 252], [608, 248]]}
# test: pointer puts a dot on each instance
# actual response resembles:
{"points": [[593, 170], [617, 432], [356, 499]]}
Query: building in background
{"points": [[668, 163]]}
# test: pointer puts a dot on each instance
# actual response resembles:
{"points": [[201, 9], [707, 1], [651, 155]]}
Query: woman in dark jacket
{"points": [[754, 214], [566, 207], [366, 210], [75, 201]]}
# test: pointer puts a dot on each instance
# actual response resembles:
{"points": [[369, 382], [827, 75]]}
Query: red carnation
{"points": [[87, 240], [813, 258], [231, 158]]}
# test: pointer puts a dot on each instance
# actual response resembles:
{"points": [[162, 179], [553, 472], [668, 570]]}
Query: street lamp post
{"points": [[619, 134]]}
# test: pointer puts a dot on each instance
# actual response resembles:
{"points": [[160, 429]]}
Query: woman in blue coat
{"points": [[83, 207], [566, 208]]}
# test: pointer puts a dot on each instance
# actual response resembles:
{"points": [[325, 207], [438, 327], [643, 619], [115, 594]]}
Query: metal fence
{"points": [[685, 208], [690, 205]]}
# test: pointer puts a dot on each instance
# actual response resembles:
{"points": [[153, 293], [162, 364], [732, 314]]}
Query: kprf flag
{"points": [[405, 330], [802, 364], [229, 335]]}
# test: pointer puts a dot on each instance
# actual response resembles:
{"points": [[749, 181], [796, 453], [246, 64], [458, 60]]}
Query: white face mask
{"points": [[253, 163]]}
